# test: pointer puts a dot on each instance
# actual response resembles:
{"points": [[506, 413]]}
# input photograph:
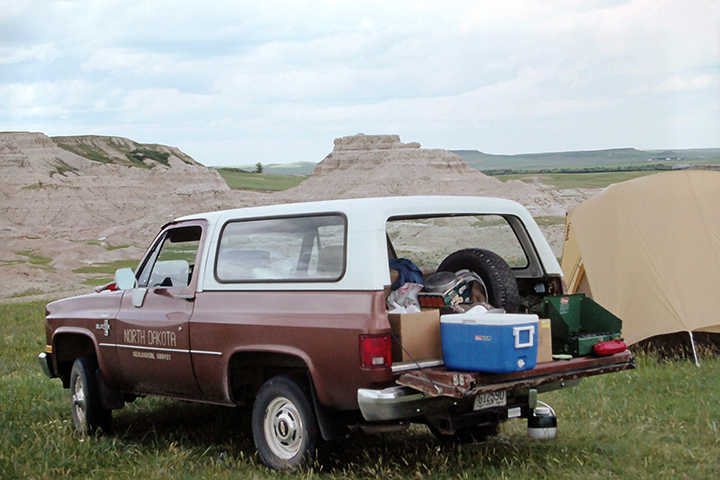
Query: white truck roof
{"points": [[367, 259]]}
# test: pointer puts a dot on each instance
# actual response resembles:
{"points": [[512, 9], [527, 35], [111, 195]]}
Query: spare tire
{"points": [[500, 282]]}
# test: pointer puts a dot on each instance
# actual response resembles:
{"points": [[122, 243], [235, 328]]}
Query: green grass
{"points": [[40, 186], [550, 220], [240, 180], [659, 421], [104, 272], [107, 268], [577, 180], [35, 259], [109, 248], [140, 154], [30, 292], [88, 151]]}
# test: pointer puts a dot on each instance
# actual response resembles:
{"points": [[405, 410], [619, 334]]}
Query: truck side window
{"points": [[307, 248], [172, 262]]}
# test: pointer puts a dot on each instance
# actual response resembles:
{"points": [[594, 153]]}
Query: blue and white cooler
{"points": [[481, 341]]}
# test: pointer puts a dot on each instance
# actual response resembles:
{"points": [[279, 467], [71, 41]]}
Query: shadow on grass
{"points": [[218, 432]]}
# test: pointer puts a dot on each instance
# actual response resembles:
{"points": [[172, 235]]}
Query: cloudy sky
{"points": [[237, 82]]}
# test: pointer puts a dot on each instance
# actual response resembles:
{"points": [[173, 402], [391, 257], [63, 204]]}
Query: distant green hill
{"points": [[296, 168], [486, 162], [586, 159]]}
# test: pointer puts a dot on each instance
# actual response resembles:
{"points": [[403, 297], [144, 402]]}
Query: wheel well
{"points": [[67, 348], [248, 371]]}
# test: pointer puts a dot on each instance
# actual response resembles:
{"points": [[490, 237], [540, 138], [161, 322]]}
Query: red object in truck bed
{"points": [[439, 381]]}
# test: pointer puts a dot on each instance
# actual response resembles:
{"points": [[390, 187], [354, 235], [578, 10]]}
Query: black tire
{"points": [[88, 414], [284, 425], [502, 287]]}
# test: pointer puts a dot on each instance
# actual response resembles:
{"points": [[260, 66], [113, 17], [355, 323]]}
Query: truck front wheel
{"points": [[88, 414], [284, 426]]}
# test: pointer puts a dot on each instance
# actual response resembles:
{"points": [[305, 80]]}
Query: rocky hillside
{"points": [[62, 211], [69, 203], [122, 151]]}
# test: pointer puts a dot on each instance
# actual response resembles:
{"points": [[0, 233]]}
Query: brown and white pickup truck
{"points": [[284, 308]]}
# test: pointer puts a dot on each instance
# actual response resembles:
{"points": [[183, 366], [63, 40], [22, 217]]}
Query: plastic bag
{"points": [[405, 296], [395, 308]]}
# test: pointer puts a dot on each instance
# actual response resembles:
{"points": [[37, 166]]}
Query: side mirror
{"points": [[125, 279]]}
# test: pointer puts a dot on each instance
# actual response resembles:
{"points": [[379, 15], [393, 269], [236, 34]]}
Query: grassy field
{"points": [[238, 180], [577, 180], [660, 421], [271, 182]]}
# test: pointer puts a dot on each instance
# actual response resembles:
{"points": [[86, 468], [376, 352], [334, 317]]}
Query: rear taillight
{"points": [[375, 351]]}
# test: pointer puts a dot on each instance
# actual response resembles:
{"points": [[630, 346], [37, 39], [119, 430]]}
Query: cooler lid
{"points": [[493, 319]]}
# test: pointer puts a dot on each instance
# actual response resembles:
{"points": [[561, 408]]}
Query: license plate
{"points": [[488, 400]]}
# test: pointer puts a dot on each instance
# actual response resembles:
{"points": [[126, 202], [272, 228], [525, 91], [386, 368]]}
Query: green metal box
{"points": [[578, 323]]}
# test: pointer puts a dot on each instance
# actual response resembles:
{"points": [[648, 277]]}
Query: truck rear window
{"points": [[427, 241], [292, 249]]}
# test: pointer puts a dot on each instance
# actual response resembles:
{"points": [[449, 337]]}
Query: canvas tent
{"points": [[648, 250]]}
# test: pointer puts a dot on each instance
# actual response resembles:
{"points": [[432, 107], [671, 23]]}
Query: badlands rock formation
{"points": [[88, 203], [379, 165], [74, 211]]}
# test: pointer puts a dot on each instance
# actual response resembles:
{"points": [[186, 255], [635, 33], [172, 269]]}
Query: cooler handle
{"points": [[518, 330]]}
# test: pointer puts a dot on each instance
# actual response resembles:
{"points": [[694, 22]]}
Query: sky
{"points": [[241, 82]]}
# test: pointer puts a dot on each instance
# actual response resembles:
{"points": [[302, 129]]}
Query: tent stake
{"points": [[692, 342]]}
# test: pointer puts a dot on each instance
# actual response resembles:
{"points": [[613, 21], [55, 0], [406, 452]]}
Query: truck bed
{"points": [[439, 381]]}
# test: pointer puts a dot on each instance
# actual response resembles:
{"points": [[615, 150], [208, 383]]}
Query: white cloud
{"points": [[518, 75], [34, 53], [680, 83]]}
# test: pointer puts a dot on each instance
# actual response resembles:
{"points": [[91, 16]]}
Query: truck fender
{"points": [[69, 343]]}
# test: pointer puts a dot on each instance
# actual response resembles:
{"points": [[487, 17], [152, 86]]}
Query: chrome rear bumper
{"points": [[397, 403]]}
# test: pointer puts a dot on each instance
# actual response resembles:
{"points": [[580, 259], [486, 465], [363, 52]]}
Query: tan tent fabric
{"points": [[649, 250]]}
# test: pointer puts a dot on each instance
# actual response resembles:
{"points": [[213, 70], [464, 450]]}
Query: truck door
{"points": [[153, 341]]}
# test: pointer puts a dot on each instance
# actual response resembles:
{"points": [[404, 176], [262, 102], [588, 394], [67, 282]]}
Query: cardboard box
{"points": [[544, 341], [419, 335], [489, 342]]}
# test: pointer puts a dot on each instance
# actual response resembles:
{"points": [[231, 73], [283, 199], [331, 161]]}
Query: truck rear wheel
{"points": [[497, 275], [88, 414], [284, 426]]}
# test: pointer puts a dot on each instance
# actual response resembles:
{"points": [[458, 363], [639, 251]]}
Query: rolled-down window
{"points": [[289, 249]]}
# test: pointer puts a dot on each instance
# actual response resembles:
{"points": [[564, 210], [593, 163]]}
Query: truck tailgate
{"points": [[439, 381]]}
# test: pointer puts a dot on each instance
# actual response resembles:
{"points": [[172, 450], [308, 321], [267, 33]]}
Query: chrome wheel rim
{"points": [[283, 428], [79, 404]]}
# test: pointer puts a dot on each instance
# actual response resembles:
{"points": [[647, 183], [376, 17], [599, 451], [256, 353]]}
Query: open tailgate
{"points": [[439, 381]]}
